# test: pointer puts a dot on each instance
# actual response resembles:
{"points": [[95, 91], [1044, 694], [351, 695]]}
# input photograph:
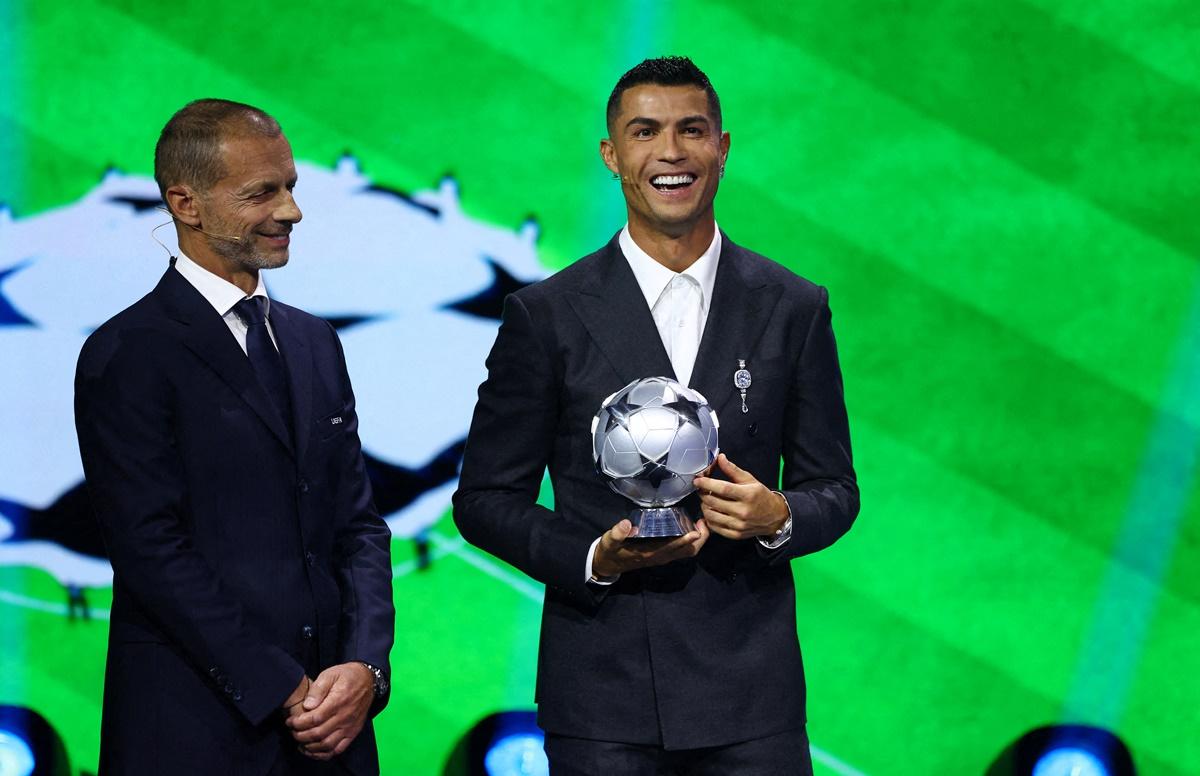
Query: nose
{"points": [[288, 211], [671, 149]]}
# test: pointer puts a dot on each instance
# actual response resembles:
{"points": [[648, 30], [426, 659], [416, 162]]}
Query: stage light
{"points": [[508, 743], [518, 754], [1065, 750], [29, 746], [16, 758], [1069, 761]]}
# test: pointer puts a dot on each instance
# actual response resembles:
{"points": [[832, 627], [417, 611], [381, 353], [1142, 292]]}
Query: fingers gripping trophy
{"points": [[649, 441]]}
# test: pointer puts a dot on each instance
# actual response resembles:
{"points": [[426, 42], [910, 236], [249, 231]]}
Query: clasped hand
{"points": [[738, 509], [326, 714]]}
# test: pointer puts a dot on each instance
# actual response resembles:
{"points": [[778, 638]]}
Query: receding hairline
{"points": [[190, 148], [239, 130], [235, 134]]}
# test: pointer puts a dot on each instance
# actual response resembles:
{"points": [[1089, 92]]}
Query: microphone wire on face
{"points": [[227, 237]]}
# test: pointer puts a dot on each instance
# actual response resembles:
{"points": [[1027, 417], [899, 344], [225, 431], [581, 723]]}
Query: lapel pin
{"points": [[741, 381]]}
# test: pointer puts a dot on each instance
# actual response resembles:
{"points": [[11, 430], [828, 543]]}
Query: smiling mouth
{"points": [[672, 182]]}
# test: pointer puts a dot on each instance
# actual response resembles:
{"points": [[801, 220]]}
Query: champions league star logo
{"points": [[650, 440], [413, 285]]}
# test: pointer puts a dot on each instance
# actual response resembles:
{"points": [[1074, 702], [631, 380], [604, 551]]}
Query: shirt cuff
{"points": [[588, 576], [781, 536]]}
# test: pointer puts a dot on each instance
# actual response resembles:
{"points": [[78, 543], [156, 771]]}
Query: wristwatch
{"points": [[781, 536], [380, 681]]}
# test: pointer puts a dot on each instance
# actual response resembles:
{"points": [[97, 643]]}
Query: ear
{"points": [[608, 152], [724, 147], [183, 204]]}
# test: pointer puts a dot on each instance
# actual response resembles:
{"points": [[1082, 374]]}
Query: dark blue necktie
{"points": [[265, 359]]}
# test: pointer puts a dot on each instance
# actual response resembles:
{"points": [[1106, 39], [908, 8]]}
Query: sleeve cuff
{"points": [[591, 578]]}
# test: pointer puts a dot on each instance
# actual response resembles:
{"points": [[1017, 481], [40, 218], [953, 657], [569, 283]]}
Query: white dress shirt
{"points": [[678, 301], [223, 295]]}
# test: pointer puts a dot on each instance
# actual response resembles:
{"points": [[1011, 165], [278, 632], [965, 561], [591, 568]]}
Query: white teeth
{"points": [[671, 180]]}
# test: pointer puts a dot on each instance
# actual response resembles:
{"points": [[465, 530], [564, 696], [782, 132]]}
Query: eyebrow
{"points": [[262, 183], [643, 120], [649, 122]]}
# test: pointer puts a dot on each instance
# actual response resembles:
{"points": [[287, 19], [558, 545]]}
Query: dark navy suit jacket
{"points": [[702, 652], [242, 558]]}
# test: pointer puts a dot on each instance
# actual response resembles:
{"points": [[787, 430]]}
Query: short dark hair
{"points": [[189, 148], [664, 71]]}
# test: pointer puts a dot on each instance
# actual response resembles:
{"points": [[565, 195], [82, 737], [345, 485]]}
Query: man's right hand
{"points": [[617, 553]]}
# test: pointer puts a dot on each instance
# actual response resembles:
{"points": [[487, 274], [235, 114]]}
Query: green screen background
{"points": [[1001, 199]]}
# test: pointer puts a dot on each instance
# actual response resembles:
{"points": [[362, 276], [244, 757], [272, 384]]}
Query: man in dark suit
{"points": [[252, 603], [676, 656]]}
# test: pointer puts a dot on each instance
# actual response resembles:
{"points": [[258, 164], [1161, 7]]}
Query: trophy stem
{"points": [[659, 522]]}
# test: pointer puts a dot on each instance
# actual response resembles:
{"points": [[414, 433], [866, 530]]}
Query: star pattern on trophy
{"points": [[651, 438], [687, 410], [619, 411]]}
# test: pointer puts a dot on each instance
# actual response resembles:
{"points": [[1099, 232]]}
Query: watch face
{"points": [[380, 681]]}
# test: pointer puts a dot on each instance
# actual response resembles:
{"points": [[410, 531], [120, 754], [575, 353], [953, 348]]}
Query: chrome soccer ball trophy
{"points": [[649, 440]]}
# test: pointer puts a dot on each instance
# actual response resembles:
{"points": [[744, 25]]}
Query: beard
{"points": [[243, 253]]}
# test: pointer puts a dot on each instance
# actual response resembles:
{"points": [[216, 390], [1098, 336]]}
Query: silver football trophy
{"points": [[649, 440]]}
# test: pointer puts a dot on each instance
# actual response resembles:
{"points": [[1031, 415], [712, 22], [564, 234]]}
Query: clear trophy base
{"points": [[660, 522]]}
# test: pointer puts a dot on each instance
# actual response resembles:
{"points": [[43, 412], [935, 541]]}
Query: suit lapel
{"points": [[297, 360], [741, 306], [611, 306], [208, 337]]}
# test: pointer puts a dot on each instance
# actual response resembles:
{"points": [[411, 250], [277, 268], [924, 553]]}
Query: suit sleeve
{"points": [[818, 471], [363, 553], [510, 441], [125, 422]]}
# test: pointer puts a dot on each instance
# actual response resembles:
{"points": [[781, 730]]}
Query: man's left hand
{"points": [[334, 710], [741, 508]]}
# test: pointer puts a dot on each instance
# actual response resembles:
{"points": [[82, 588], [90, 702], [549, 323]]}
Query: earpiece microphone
{"points": [[227, 237]]}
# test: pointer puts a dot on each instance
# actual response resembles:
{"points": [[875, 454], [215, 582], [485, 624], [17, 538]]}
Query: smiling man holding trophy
{"points": [[676, 653]]}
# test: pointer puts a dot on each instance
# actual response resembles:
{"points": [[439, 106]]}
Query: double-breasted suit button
{"points": [[237, 695], [312, 559], [752, 429], [303, 486], [307, 632]]}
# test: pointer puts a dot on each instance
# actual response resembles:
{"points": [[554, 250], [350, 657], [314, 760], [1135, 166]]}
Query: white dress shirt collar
{"points": [[219, 292], [653, 278]]}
